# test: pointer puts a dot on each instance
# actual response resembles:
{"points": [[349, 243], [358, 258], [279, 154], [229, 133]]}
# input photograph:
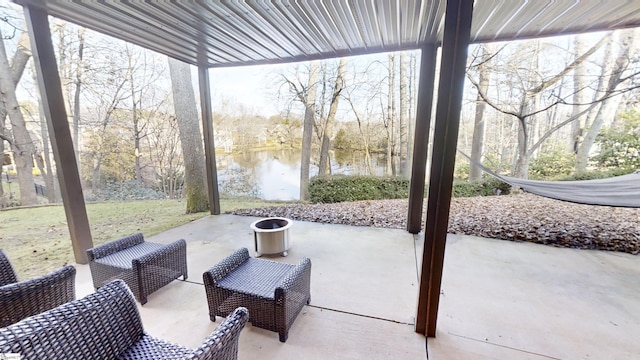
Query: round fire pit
{"points": [[271, 235]]}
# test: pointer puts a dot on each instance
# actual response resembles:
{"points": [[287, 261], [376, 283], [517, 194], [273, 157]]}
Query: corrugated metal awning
{"points": [[232, 33]]}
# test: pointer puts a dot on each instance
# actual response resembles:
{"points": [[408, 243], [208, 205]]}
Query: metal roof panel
{"points": [[232, 33]]}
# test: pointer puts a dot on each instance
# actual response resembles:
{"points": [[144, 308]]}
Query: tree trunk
{"points": [[403, 108], [523, 156], [184, 102], [325, 166], [390, 115], [21, 144], [410, 110], [579, 85], [95, 175], [528, 105], [307, 132], [364, 136], [477, 142], [18, 64], [44, 159], [76, 95], [610, 104], [135, 119], [53, 193]]}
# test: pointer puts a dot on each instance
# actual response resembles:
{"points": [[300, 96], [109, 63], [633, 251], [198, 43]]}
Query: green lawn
{"points": [[37, 241]]}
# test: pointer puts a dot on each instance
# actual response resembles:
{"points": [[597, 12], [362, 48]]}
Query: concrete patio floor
{"points": [[500, 300]]}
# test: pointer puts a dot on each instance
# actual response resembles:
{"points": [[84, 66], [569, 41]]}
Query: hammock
{"points": [[619, 191]]}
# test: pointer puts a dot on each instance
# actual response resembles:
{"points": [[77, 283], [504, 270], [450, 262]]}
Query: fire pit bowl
{"points": [[271, 235]]}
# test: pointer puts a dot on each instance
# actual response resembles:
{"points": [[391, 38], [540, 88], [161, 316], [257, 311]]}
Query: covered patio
{"points": [[373, 290], [499, 299]]}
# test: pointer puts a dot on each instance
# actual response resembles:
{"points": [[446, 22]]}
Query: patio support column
{"points": [[421, 137], [209, 144], [452, 74], [59, 133]]}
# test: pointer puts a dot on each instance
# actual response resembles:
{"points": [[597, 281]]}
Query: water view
{"points": [[275, 174]]}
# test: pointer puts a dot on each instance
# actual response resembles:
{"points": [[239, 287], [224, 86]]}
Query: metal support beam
{"points": [[209, 144], [63, 152], [421, 137], [452, 73]]}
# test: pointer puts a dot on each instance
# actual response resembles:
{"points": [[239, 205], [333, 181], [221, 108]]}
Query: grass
{"points": [[37, 241]]}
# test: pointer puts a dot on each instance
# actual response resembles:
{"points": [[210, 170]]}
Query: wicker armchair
{"points": [[19, 299], [143, 265], [274, 292], [107, 325]]}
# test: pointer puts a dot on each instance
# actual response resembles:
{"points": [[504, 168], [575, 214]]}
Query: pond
{"points": [[275, 174]]}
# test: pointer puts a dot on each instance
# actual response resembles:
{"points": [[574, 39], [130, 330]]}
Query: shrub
{"points": [[486, 187], [553, 164], [592, 175], [339, 188], [620, 145]]}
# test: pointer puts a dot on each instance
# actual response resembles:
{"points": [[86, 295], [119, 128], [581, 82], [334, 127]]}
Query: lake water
{"points": [[275, 175]]}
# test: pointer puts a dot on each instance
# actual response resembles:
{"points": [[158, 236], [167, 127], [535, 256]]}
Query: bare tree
{"points": [[404, 126], [18, 64], [163, 147], [108, 95], [363, 128], [606, 110], [324, 167], [579, 95], [305, 93], [20, 141], [477, 143], [142, 77], [529, 84], [389, 117]]}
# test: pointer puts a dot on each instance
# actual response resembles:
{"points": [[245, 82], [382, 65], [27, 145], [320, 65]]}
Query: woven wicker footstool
{"points": [[273, 292], [143, 265]]}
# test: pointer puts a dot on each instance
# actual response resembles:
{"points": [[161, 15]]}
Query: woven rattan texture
{"points": [[274, 293], [20, 299], [144, 266], [107, 325], [265, 277], [124, 258], [7, 273]]}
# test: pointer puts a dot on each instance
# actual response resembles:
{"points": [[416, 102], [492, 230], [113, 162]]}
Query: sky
{"points": [[252, 86]]}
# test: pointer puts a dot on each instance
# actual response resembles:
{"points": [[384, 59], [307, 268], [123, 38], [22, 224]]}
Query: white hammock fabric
{"points": [[618, 191]]}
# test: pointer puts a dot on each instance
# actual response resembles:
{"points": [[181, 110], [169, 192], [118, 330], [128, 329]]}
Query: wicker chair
{"points": [[19, 299], [143, 265], [274, 292], [107, 325]]}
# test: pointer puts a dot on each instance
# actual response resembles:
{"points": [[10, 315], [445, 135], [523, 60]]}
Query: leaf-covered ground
{"points": [[521, 217]]}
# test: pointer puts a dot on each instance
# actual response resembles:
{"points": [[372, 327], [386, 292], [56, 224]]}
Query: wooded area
{"points": [[539, 108]]}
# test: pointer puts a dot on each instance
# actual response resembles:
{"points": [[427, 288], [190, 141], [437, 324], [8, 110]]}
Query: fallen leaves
{"points": [[522, 217]]}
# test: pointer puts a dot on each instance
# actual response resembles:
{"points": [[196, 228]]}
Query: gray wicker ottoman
{"points": [[143, 265], [274, 292]]}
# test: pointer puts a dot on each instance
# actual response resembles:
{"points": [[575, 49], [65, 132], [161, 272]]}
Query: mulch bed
{"points": [[521, 217]]}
